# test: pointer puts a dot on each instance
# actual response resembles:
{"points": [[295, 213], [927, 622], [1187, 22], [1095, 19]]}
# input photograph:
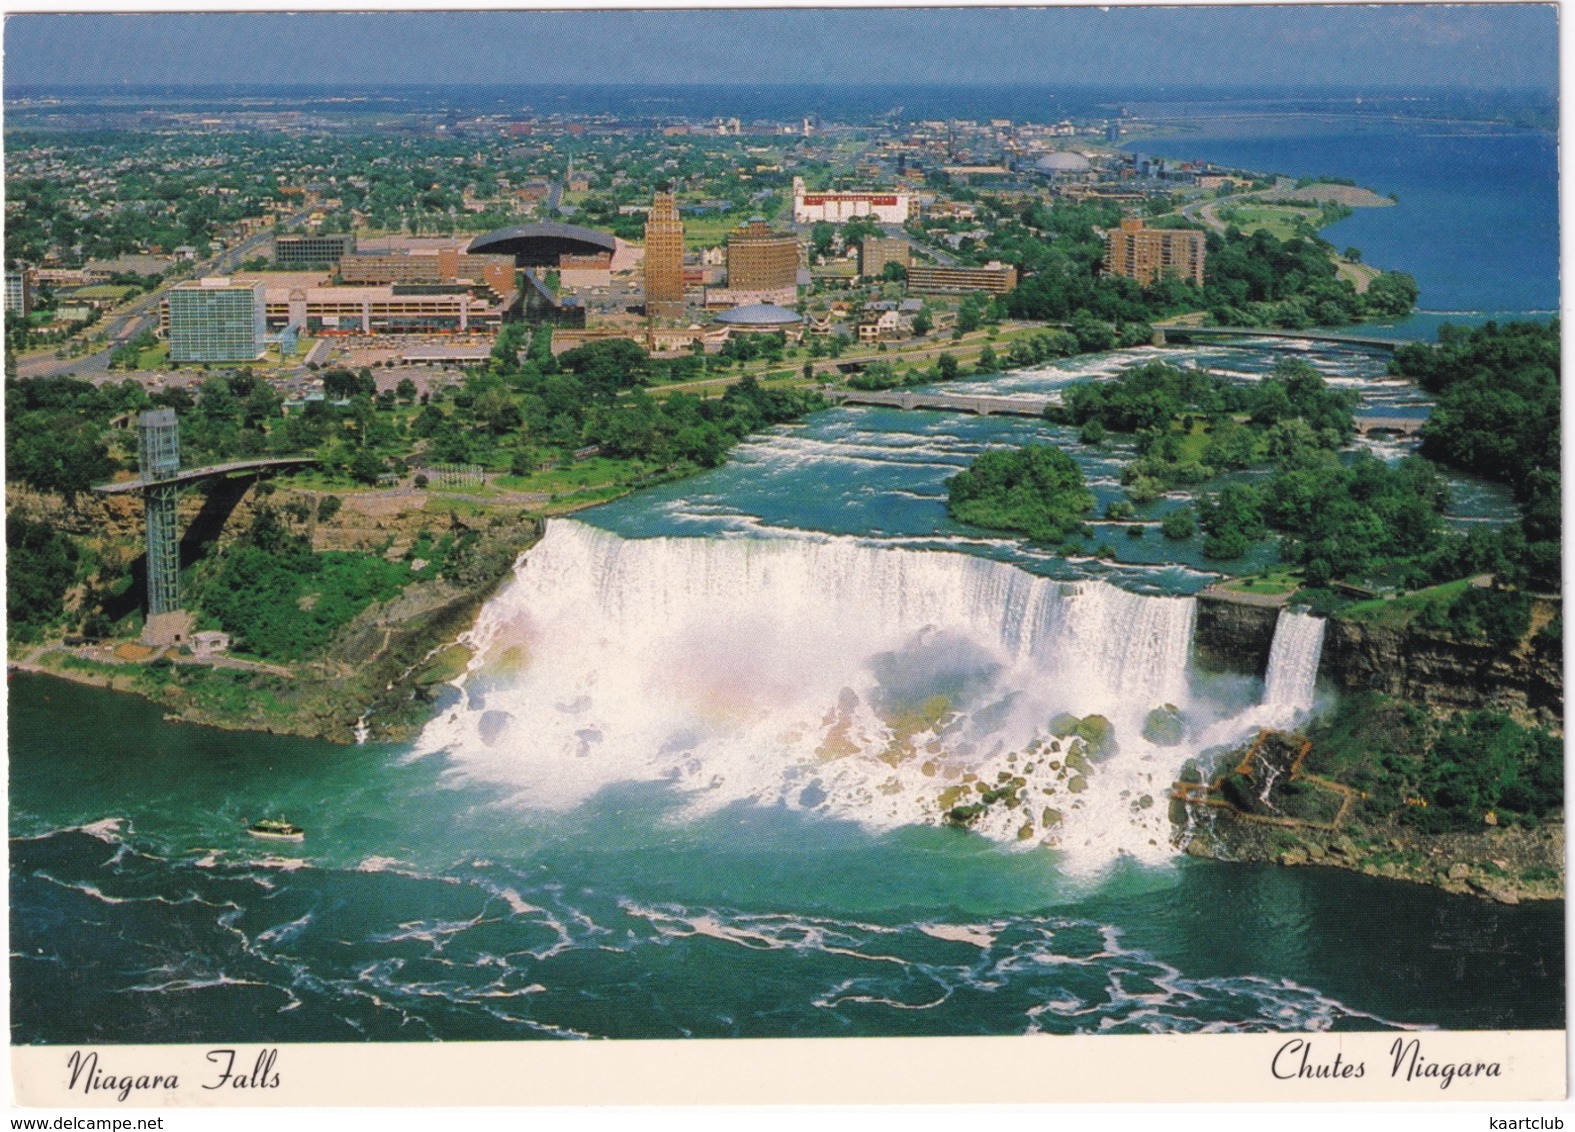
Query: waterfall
{"points": [[1293, 664], [880, 685]]}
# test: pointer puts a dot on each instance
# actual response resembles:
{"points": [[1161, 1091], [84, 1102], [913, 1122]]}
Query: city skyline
{"points": [[1472, 47]]}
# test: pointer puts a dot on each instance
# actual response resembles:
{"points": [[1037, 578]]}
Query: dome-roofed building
{"points": [[1064, 163], [759, 318], [543, 245]]}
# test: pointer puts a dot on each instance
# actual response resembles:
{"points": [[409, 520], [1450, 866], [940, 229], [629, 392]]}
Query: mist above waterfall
{"points": [[879, 685]]}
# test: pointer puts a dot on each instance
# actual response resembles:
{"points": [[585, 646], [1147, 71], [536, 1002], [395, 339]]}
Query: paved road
{"points": [[1202, 211], [143, 314]]}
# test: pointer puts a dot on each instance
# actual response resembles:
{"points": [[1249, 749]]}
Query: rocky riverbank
{"points": [[378, 677], [1505, 865], [1446, 674], [1263, 805]]}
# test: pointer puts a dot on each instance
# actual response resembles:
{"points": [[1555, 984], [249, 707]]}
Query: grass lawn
{"points": [[104, 291], [1279, 220], [1406, 608], [447, 504], [576, 500], [1269, 582], [1193, 441], [711, 229], [154, 357], [598, 471]]}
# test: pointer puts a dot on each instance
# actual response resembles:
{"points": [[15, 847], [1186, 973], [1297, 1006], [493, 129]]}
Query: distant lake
{"points": [[1477, 218]]}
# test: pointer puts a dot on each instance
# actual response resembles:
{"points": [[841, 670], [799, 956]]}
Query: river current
{"points": [[696, 784]]}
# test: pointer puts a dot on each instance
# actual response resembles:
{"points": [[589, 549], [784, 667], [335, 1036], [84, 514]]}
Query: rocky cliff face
{"points": [[216, 513], [1527, 682], [1408, 663], [1232, 636]]}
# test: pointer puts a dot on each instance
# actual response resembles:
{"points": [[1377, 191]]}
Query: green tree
{"points": [[1178, 524], [608, 366], [1036, 489], [366, 466], [1392, 294], [822, 236], [41, 565]]}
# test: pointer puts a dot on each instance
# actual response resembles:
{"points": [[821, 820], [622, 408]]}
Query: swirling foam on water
{"points": [[514, 966]]}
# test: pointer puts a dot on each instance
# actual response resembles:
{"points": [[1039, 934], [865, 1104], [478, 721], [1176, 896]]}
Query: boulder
{"points": [[1100, 736], [1164, 726]]}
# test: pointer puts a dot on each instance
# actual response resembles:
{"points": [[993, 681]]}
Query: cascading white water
{"points": [[1292, 674], [885, 686]]}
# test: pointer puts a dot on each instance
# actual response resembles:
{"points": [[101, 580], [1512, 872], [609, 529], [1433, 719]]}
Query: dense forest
{"points": [[1440, 775], [1497, 415], [1342, 515]]}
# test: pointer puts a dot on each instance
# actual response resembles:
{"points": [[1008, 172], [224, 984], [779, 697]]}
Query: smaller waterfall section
{"points": [[1293, 667]]}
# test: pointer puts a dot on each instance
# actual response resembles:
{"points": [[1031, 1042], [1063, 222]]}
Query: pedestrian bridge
{"points": [[1401, 426], [1165, 334], [191, 475], [980, 405]]}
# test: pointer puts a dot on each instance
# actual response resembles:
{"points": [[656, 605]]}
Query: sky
{"points": [[1477, 46]]}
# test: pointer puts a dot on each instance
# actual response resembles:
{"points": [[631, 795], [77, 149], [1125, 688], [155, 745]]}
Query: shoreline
{"points": [[378, 672], [1492, 864]]}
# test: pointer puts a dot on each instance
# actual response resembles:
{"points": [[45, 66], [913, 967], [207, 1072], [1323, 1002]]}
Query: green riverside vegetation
{"points": [[1439, 775], [1498, 416], [282, 602], [536, 422], [1252, 280], [1036, 489]]}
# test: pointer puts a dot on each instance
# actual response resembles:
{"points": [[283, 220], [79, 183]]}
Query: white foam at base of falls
{"points": [[880, 685]]}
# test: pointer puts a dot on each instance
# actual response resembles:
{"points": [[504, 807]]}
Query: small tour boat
{"points": [[276, 830]]}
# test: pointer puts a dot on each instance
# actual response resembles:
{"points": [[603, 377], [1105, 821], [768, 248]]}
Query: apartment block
{"points": [[993, 279], [1150, 254], [216, 320]]}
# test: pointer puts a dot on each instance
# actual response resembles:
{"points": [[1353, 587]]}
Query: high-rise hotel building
{"points": [[1149, 254], [216, 320], [762, 267], [760, 259], [664, 260]]}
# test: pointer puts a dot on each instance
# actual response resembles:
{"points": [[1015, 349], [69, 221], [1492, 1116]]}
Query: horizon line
{"points": [[961, 85]]}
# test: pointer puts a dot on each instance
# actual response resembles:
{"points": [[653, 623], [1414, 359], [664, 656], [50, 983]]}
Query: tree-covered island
{"points": [[1272, 459], [1037, 489]]}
